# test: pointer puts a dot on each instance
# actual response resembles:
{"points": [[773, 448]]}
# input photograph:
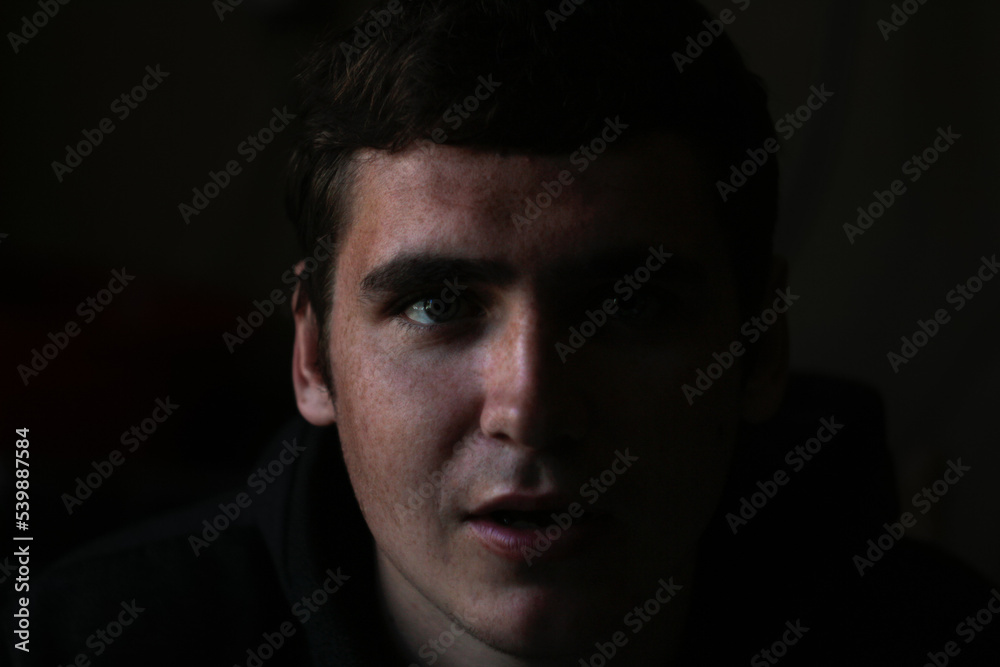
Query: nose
{"points": [[531, 398]]}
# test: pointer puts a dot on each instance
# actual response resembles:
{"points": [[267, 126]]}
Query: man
{"points": [[551, 205], [531, 372]]}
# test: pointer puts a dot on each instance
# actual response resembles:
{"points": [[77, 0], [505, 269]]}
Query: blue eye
{"points": [[435, 310]]}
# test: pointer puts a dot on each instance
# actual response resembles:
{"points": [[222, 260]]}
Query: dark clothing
{"points": [[291, 580]]}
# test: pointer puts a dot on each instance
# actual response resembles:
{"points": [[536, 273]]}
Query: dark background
{"points": [[162, 336]]}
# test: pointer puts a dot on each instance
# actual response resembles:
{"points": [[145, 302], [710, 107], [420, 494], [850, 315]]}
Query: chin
{"points": [[539, 621]]}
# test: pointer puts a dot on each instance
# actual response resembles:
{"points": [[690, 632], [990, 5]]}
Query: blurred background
{"points": [[227, 68]]}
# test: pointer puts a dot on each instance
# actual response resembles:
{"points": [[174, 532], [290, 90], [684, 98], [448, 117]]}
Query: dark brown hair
{"points": [[387, 81]]}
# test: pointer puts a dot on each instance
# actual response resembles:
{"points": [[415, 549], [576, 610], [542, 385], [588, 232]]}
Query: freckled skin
{"points": [[494, 408]]}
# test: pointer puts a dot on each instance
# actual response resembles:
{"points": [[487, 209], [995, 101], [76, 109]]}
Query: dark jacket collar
{"points": [[312, 524], [313, 528]]}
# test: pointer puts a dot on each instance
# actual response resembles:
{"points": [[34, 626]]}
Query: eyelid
{"points": [[465, 298], [398, 304]]}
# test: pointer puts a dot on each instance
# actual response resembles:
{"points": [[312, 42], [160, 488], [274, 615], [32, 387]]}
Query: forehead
{"points": [[530, 210]]}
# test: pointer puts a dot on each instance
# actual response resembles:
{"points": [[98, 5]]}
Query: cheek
{"points": [[400, 422], [685, 448]]}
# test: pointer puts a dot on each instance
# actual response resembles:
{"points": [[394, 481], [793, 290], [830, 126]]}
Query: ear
{"points": [[767, 371], [311, 393]]}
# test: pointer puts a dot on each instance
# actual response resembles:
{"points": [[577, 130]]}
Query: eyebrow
{"points": [[410, 271], [610, 265]]}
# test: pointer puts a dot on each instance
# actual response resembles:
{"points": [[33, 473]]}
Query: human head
{"points": [[561, 79], [483, 408]]}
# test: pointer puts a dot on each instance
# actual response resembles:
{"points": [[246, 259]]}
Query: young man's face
{"points": [[463, 425]]}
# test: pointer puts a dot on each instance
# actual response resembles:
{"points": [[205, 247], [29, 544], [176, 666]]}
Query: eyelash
{"points": [[667, 303], [399, 307]]}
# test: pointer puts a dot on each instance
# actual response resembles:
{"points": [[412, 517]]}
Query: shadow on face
{"points": [[496, 380]]}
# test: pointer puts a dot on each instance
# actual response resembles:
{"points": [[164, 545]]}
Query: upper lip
{"points": [[521, 502]]}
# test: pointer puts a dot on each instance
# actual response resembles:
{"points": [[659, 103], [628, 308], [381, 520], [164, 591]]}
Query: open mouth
{"points": [[531, 520], [519, 519], [530, 535]]}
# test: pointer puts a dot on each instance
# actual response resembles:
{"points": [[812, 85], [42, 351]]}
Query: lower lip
{"points": [[531, 545]]}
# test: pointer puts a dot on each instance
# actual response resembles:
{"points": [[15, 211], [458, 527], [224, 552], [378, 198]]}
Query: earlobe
{"points": [[314, 400], [767, 371]]}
